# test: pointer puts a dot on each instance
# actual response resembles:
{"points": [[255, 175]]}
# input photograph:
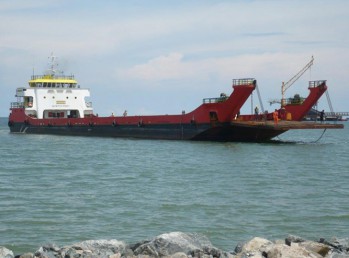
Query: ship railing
{"points": [[17, 104], [214, 100], [244, 81], [48, 76], [294, 101], [337, 113], [89, 104], [313, 84]]}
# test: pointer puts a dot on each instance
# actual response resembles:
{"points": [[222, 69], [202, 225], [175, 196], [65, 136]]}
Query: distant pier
{"points": [[288, 125], [314, 115]]}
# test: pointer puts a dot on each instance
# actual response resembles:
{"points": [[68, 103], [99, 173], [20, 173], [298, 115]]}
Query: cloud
{"points": [[186, 45], [175, 66], [245, 26], [165, 67]]}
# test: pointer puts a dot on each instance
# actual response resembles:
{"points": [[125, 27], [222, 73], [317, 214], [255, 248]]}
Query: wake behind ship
{"points": [[55, 104]]}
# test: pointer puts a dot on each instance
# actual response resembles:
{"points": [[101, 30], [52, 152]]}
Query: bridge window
{"points": [[28, 101], [55, 114]]}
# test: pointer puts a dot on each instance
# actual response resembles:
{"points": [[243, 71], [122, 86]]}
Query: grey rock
{"points": [[315, 247], [102, 247], [209, 252], [128, 252], [179, 255], [340, 245], [138, 244], [26, 255], [293, 239], [47, 251], [336, 255], [44, 252], [85, 249], [283, 250], [238, 248], [183, 245], [169, 244], [6, 253], [255, 248]]}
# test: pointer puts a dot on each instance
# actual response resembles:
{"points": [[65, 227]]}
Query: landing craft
{"points": [[55, 104]]}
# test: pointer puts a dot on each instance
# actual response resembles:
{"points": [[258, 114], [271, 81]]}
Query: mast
{"points": [[53, 65]]}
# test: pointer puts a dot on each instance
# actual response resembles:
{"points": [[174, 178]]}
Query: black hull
{"points": [[203, 132]]}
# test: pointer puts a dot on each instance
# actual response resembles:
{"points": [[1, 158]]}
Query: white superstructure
{"points": [[53, 96]]}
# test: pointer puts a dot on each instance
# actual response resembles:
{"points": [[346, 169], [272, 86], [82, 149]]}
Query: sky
{"points": [[162, 57]]}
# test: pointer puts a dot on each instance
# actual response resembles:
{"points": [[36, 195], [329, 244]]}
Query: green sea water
{"points": [[62, 190]]}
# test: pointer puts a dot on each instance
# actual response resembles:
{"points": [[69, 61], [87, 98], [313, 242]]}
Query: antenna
{"points": [[53, 65]]}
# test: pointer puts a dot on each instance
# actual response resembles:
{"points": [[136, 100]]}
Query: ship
{"points": [[54, 103]]}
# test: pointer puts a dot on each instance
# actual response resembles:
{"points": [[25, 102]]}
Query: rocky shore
{"points": [[181, 245]]}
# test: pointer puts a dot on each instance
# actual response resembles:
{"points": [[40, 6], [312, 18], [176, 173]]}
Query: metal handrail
{"points": [[294, 101], [17, 104], [243, 81], [65, 77], [313, 84], [214, 100], [21, 104]]}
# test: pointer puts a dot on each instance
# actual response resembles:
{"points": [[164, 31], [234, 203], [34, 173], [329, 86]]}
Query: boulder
{"points": [[178, 243], [293, 239], [294, 247], [102, 247], [256, 244], [337, 255], [255, 248], [89, 248], [316, 247], [6, 253], [295, 250], [26, 255], [340, 245]]}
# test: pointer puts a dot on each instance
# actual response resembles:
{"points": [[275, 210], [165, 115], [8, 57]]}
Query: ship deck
{"points": [[286, 125]]}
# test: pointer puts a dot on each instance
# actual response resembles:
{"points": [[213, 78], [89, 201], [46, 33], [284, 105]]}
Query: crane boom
{"points": [[289, 83]]}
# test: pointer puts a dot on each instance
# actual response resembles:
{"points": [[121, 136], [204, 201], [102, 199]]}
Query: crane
{"points": [[289, 83]]}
